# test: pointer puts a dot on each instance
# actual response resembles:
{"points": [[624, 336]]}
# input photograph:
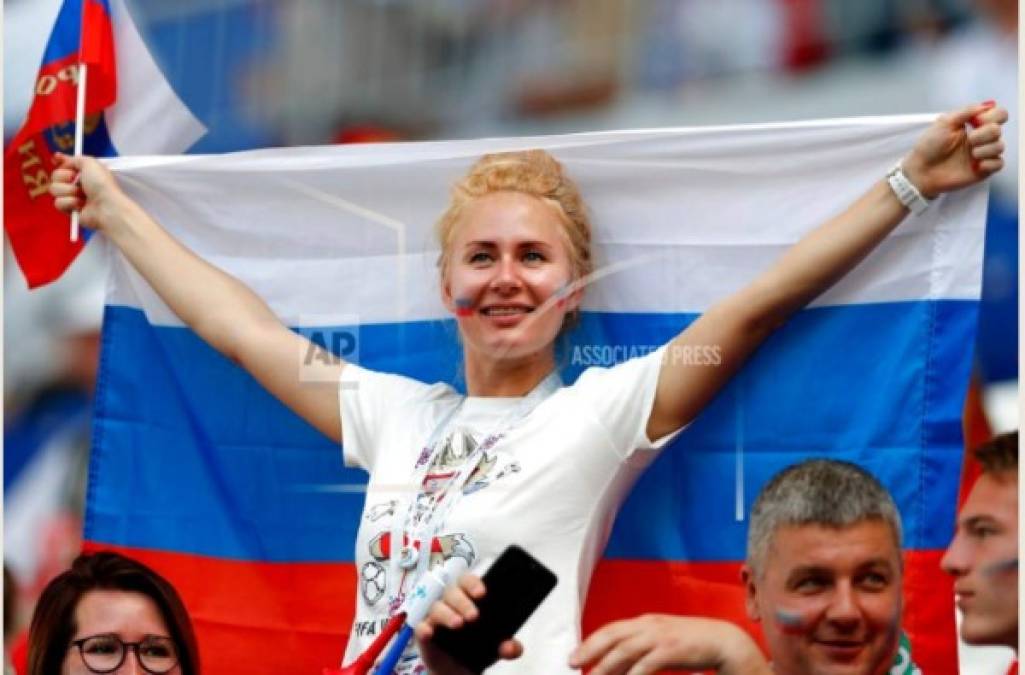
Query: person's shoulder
{"points": [[401, 386]]}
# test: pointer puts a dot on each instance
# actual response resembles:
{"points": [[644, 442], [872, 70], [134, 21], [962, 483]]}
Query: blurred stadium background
{"points": [[298, 72]]}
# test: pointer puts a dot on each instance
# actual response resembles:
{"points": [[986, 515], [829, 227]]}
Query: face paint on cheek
{"points": [[1001, 567], [792, 622], [464, 307]]}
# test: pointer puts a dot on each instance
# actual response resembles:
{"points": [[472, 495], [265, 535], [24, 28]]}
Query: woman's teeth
{"points": [[505, 311]]}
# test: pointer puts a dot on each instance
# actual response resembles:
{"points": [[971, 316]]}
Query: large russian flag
{"points": [[199, 472]]}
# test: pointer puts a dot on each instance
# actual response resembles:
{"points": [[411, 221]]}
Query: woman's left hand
{"points": [[960, 149]]}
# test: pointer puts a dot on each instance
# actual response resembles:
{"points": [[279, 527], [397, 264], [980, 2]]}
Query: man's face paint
{"points": [[983, 558], [1001, 567], [830, 599], [792, 622]]}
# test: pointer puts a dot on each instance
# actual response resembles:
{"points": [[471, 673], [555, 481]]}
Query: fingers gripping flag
{"points": [[123, 82]]}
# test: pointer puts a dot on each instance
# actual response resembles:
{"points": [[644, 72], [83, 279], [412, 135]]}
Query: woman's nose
{"points": [[506, 276]]}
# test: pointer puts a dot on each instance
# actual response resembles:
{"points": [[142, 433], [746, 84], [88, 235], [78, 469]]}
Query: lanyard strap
{"points": [[397, 540], [423, 515]]}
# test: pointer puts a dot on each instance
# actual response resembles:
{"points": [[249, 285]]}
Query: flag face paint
{"points": [[464, 307], [873, 373], [792, 622], [797, 622], [1002, 567], [809, 635]]}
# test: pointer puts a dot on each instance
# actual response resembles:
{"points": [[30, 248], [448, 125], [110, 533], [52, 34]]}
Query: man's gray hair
{"points": [[822, 492]]}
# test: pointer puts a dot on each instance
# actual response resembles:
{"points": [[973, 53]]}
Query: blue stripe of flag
{"points": [[878, 384]]}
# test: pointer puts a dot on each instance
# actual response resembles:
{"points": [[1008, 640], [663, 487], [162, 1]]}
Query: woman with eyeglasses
{"points": [[111, 614]]}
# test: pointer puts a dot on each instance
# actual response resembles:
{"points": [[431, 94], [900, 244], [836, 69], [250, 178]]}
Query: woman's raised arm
{"points": [[947, 156], [219, 308]]}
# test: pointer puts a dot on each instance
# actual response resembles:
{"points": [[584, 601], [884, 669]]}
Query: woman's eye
{"points": [[480, 257], [534, 256], [156, 650], [101, 647]]}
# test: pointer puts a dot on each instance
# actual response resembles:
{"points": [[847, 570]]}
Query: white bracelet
{"points": [[906, 191]]}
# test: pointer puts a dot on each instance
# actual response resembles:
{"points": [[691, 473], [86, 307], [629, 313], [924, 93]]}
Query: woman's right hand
{"points": [[456, 608], [85, 185]]}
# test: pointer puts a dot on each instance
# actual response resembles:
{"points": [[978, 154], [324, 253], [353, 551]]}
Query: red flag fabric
{"points": [[976, 432], [38, 233]]}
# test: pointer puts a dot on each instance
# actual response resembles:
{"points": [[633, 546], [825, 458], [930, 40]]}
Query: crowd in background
{"points": [[260, 72]]}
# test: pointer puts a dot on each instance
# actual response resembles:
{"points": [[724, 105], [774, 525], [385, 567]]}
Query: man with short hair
{"points": [[823, 576], [983, 557], [824, 572]]}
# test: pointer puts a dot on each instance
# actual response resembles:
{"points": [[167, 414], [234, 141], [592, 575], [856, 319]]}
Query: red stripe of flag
{"points": [[295, 617]]}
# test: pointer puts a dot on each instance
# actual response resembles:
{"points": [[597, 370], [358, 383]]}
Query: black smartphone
{"points": [[515, 584]]}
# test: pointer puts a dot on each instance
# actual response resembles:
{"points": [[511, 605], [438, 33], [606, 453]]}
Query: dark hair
{"points": [[53, 622], [10, 603], [999, 454]]}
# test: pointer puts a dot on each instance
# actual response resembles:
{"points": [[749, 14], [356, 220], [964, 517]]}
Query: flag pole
{"points": [[79, 109], [79, 128]]}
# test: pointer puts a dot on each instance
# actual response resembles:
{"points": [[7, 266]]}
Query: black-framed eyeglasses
{"points": [[105, 653]]}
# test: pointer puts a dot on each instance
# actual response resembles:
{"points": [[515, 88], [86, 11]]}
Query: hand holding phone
{"points": [[474, 623]]}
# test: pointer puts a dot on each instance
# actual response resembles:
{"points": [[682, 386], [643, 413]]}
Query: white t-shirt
{"points": [[552, 484]]}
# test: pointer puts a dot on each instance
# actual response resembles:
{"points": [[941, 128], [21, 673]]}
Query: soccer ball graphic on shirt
{"points": [[372, 582]]}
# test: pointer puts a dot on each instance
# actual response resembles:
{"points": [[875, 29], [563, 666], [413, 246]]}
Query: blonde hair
{"points": [[532, 172]]}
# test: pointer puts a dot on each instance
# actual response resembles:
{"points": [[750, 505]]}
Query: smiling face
{"points": [[508, 261], [130, 616], [983, 558], [829, 599]]}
